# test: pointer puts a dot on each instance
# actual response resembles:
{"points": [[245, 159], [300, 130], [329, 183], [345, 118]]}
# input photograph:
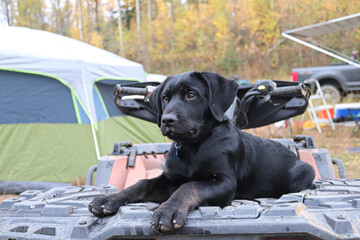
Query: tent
{"points": [[57, 114]]}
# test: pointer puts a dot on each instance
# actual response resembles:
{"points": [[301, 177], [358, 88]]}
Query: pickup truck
{"points": [[336, 80]]}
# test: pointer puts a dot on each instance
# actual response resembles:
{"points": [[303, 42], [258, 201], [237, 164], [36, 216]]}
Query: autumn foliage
{"points": [[241, 37]]}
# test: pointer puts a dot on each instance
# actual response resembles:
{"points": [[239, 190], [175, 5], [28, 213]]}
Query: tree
{"points": [[169, 36], [30, 13], [8, 9]]}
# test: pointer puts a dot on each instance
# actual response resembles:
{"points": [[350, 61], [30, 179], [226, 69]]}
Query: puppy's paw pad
{"points": [[106, 205], [169, 217], [164, 229], [177, 226], [108, 212], [93, 211]]}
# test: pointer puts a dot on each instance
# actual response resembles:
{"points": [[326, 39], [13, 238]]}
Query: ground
{"points": [[337, 141], [5, 196]]}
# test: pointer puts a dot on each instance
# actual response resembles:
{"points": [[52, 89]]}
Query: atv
{"points": [[329, 211]]}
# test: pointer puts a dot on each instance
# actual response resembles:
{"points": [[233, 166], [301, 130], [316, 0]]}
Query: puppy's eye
{"points": [[191, 95], [165, 99]]}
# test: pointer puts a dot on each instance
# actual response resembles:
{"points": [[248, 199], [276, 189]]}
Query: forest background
{"points": [[232, 37]]}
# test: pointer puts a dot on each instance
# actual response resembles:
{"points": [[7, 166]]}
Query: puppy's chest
{"points": [[188, 167]]}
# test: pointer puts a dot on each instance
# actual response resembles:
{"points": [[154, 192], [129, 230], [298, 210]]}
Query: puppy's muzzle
{"points": [[169, 120], [176, 128]]}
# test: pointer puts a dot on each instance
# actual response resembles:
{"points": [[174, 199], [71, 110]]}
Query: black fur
{"points": [[211, 162]]}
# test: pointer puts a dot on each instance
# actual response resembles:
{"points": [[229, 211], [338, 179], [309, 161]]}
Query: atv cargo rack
{"points": [[328, 212]]}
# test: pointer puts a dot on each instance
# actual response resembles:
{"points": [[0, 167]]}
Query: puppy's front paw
{"points": [[107, 205], [169, 217]]}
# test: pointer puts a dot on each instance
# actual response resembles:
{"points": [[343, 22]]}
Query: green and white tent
{"points": [[57, 112]]}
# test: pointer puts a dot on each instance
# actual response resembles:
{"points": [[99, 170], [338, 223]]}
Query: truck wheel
{"points": [[331, 93]]}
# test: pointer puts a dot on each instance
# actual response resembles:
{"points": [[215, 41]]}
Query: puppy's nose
{"points": [[169, 119]]}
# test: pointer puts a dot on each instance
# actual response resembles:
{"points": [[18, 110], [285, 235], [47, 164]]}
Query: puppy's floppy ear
{"points": [[221, 92], [155, 99]]}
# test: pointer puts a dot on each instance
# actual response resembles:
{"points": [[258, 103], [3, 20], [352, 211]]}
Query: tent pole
{"points": [[90, 116], [320, 50]]}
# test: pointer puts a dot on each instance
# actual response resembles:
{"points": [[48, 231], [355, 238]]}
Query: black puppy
{"points": [[210, 162]]}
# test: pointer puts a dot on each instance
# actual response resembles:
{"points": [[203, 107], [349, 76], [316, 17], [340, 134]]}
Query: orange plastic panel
{"points": [[306, 155], [119, 172], [146, 166]]}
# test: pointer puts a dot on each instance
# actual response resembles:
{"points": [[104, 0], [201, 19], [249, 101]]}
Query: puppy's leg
{"points": [[157, 189], [301, 176], [172, 213]]}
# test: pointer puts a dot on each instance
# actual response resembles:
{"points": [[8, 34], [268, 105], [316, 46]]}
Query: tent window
{"points": [[83, 117], [30, 98], [106, 89], [100, 107]]}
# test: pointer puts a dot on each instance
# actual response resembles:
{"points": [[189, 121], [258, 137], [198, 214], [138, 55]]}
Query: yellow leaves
{"points": [[96, 39], [162, 28], [264, 22], [229, 36], [30, 13]]}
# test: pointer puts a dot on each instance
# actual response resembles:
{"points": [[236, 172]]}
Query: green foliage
{"points": [[229, 63]]}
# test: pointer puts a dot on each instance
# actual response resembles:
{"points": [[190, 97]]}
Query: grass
{"points": [[337, 142]]}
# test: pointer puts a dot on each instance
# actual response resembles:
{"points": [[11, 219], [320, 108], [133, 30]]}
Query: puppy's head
{"points": [[188, 104]]}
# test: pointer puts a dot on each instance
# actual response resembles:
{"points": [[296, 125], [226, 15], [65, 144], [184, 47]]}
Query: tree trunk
{"points": [[149, 23], [120, 28], [89, 20], [148, 59], [138, 23], [97, 16], [80, 20], [9, 8]]}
